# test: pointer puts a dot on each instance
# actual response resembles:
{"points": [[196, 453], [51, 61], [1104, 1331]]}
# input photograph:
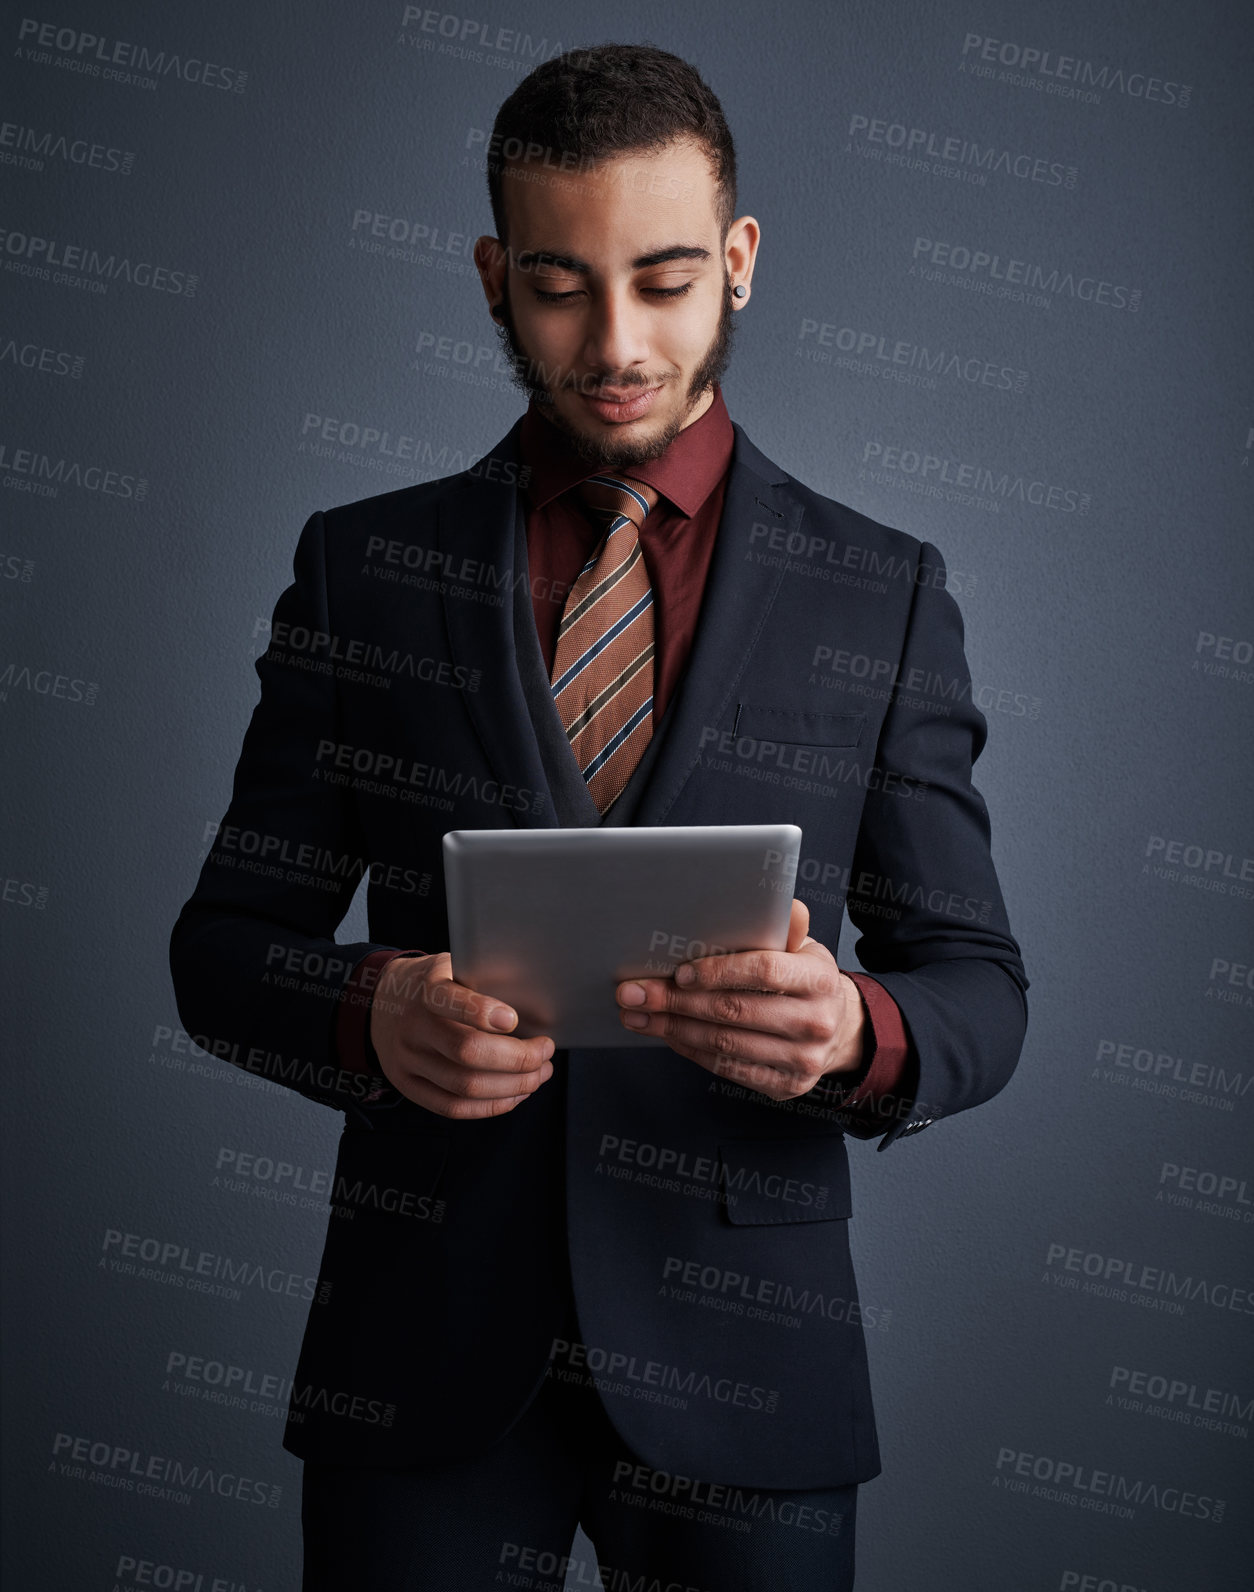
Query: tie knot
{"points": [[607, 495]]}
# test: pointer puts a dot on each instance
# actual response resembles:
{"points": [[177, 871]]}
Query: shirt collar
{"points": [[686, 473]]}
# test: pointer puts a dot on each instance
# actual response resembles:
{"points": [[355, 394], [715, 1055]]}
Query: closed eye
{"points": [[656, 292]]}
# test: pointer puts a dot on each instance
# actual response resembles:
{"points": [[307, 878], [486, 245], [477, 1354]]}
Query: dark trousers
{"points": [[507, 1519]]}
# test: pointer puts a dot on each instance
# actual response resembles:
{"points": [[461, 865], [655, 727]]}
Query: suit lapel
{"points": [[738, 596], [476, 519]]}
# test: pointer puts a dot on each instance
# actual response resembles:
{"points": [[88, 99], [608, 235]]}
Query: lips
{"points": [[616, 408]]}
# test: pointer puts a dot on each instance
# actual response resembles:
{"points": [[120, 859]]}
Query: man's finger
{"points": [[798, 924], [473, 1048], [478, 1083], [773, 972], [458, 1107], [742, 1009], [445, 997], [699, 1039]]}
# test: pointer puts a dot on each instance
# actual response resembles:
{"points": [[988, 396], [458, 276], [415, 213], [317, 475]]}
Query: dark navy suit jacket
{"points": [[634, 1175]]}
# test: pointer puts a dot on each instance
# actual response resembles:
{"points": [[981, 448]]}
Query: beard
{"points": [[604, 451]]}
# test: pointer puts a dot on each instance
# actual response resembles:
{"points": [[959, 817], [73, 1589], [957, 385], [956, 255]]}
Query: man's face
{"points": [[619, 348]]}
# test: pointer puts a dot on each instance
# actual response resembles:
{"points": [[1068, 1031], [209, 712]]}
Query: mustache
{"points": [[592, 385]]}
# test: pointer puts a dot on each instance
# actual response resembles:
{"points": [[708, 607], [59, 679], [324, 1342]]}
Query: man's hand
{"points": [[775, 1021], [446, 1047]]}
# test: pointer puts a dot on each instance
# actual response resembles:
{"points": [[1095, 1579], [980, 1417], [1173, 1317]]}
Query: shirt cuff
{"points": [[887, 1081], [352, 1030]]}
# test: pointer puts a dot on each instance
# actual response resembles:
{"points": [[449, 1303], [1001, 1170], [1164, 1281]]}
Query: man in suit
{"points": [[602, 1286]]}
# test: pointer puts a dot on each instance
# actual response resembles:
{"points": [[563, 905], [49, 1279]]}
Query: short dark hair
{"points": [[590, 105]]}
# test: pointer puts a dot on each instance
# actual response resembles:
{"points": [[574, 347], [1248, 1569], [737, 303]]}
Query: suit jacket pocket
{"points": [[798, 726], [784, 1180]]}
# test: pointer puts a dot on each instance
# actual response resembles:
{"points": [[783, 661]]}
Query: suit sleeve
{"points": [[259, 979], [923, 890]]}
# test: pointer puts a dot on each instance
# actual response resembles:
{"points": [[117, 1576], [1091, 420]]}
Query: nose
{"points": [[616, 332]]}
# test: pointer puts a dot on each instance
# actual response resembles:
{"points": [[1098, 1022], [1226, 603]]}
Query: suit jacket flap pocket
{"points": [[784, 1180], [798, 726]]}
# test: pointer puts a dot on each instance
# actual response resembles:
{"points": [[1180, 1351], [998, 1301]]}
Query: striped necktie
{"points": [[602, 674]]}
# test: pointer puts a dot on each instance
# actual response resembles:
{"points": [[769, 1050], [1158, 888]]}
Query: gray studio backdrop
{"points": [[1002, 302]]}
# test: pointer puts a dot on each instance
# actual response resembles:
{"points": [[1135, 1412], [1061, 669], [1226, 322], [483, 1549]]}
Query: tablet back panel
{"points": [[550, 920]]}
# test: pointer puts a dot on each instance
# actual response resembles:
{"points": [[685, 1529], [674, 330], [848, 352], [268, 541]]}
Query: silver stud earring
{"points": [[740, 290]]}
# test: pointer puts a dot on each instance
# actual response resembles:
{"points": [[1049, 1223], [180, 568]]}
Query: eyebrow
{"points": [[570, 262]]}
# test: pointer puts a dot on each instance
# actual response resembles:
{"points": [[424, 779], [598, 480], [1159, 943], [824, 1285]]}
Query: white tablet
{"points": [[550, 920]]}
